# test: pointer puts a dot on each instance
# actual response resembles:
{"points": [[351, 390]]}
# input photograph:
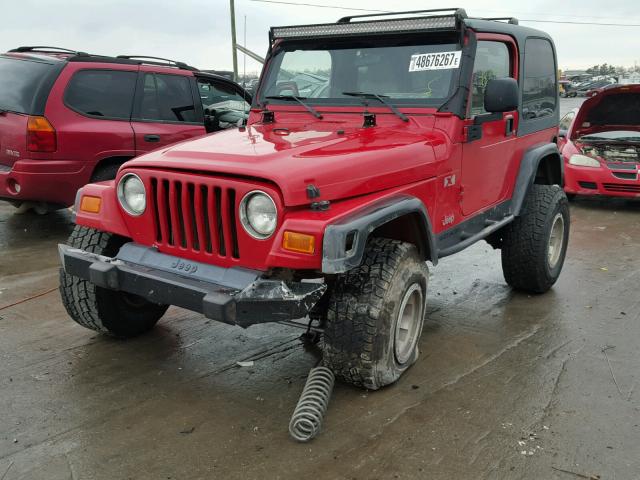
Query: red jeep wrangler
{"points": [[68, 118], [372, 146]]}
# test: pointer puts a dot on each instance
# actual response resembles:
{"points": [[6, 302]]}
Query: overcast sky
{"points": [[198, 31]]}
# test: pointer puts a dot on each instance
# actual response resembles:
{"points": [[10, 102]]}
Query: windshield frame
{"points": [[276, 57]]}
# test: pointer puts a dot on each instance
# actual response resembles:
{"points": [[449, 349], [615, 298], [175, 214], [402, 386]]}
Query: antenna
{"points": [[244, 68]]}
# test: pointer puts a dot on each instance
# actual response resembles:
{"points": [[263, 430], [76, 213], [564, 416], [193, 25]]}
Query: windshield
{"points": [[23, 83], [405, 71]]}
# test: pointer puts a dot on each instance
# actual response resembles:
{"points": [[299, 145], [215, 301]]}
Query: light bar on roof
{"points": [[355, 28]]}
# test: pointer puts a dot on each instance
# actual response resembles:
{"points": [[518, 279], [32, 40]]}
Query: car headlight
{"points": [[132, 195], [258, 214], [583, 161]]}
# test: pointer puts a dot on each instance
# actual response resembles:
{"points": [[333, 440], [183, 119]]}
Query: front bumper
{"points": [[230, 295], [600, 181]]}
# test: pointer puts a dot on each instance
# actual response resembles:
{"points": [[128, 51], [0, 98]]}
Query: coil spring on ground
{"points": [[309, 412]]}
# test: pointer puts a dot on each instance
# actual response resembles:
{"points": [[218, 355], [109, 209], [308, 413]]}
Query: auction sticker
{"points": [[434, 61]]}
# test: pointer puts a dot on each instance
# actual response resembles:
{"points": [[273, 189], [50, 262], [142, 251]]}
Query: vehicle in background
{"points": [[585, 88], [374, 144], [68, 118], [564, 86], [600, 144], [597, 90]]}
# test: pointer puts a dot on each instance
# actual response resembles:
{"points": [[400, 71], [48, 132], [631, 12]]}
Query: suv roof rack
{"points": [[158, 61], [511, 20], [45, 49], [458, 12]]}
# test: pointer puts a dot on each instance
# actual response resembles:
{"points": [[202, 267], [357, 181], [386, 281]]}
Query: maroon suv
{"points": [[69, 118]]}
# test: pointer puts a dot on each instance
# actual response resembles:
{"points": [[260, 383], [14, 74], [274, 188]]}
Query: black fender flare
{"points": [[528, 169], [361, 223]]}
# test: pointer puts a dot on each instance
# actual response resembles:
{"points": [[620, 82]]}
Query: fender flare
{"points": [[528, 169], [361, 223]]}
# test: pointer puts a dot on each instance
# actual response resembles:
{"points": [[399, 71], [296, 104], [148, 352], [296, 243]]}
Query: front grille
{"points": [[625, 175], [195, 216], [621, 166], [621, 187]]}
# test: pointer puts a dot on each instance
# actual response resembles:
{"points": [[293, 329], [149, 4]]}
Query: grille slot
{"points": [[621, 187], [625, 175], [222, 248], [195, 216], [232, 223]]}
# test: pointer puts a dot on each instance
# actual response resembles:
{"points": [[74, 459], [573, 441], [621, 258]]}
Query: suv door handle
{"points": [[509, 125], [152, 138]]}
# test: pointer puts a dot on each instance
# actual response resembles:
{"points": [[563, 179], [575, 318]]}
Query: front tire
{"points": [[118, 314], [375, 315], [534, 245]]}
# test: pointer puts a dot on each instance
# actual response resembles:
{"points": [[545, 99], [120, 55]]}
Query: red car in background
{"points": [[600, 144], [595, 91], [68, 118]]}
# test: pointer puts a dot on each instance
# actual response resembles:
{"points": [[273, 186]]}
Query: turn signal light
{"points": [[298, 242], [90, 204], [41, 136]]}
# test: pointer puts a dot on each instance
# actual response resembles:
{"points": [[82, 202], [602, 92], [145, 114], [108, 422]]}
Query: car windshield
{"points": [[408, 71]]}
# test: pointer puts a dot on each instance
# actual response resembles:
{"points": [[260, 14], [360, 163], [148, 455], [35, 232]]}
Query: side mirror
{"points": [[501, 95]]}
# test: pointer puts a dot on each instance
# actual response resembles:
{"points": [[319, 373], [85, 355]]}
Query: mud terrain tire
{"points": [[534, 245], [118, 314], [363, 342]]}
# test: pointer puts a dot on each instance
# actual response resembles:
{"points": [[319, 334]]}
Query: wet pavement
{"points": [[507, 385]]}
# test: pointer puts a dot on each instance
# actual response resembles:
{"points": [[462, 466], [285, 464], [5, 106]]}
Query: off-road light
{"points": [[583, 161], [132, 195], [258, 214], [358, 28]]}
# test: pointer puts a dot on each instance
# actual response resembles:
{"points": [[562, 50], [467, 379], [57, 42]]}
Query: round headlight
{"points": [[131, 194], [583, 161], [258, 214]]}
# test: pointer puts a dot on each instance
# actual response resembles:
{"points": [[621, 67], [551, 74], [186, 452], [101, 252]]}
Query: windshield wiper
{"points": [[309, 108], [381, 99]]}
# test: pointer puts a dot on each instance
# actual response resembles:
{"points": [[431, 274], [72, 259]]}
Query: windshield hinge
{"points": [[472, 133], [369, 120]]}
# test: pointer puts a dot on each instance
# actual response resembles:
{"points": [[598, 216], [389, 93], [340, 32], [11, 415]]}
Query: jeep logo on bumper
{"points": [[184, 266]]}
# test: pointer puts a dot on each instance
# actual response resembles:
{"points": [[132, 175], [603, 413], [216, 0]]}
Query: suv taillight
{"points": [[41, 136]]}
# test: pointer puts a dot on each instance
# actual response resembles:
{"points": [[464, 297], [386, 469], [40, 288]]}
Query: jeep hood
{"points": [[341, 161], [616, 108]]}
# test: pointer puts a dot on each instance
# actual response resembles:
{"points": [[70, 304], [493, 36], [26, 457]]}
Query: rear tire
{"points": [[375, 315], [534, 245], [115, 313]]}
